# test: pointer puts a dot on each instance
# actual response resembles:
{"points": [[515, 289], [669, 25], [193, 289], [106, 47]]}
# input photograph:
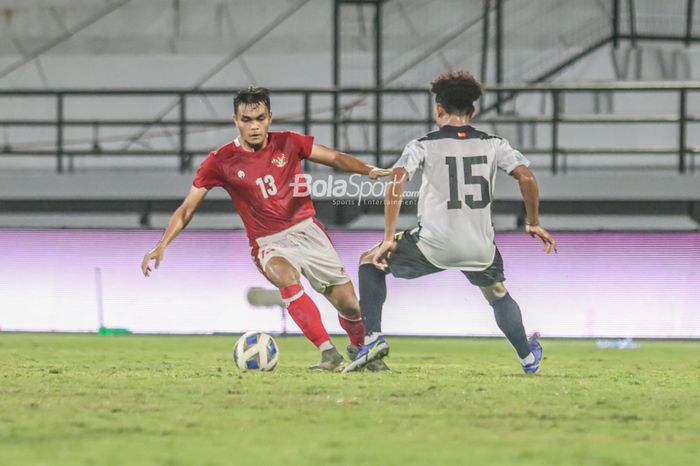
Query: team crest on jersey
{"points": [[280, 160], [241, 174]]}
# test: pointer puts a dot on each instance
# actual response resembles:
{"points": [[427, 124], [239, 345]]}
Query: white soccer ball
{"points": [[255, 351]]}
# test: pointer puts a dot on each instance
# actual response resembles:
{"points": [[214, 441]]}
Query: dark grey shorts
{"points": [[409, 262]]}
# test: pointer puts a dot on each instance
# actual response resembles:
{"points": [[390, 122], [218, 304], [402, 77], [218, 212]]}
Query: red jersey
{"points": [[261, 183]]}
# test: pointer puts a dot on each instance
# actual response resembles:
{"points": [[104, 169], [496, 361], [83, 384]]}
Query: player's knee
{"points": [[349, 307], [281, 273], [346, 303], [494, 292], [286, 279]]}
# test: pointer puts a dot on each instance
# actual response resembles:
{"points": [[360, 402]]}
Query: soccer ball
{"points": [[255, 351]]}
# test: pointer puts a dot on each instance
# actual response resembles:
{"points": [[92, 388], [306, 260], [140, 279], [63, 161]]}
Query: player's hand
{"points": [[154, 254], [382, 255], [377, 173], [549, 243]]}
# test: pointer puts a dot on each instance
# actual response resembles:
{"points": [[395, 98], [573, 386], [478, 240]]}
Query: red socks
{"points": [[354, 327], [305, 314]]}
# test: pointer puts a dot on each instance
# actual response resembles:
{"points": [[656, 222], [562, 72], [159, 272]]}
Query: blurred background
{"points": [[108, 107]]}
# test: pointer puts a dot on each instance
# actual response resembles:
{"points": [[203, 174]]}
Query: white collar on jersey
{"points": [[237, 142]]}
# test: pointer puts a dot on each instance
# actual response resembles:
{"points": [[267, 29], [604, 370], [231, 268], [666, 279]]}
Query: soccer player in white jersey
{"points": [[454, 229]]}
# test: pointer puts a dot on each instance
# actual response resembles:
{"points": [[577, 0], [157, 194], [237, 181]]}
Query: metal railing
{"points": [[307, 118]]}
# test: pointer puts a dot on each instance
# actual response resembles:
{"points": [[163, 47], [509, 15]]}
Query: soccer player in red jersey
{"points": [[259, 169]]}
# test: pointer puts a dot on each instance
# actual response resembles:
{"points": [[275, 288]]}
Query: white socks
{"points": [[371, 337], [326, 345], [529, 359]]}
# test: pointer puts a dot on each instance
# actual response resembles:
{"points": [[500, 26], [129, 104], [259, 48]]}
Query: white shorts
{"points": [[307, 247]]}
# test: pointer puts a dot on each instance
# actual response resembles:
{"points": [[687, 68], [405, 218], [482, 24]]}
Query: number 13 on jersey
{"points": [[469, 179], [267, 185]]}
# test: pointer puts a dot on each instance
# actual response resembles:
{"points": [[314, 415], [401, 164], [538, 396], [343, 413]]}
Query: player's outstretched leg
{"points": [[372, 297], [305, 314], [510, 321], [303, 311]]}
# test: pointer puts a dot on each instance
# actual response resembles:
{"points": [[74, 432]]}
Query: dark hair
{"points": [[252, 96], [456, 91]]}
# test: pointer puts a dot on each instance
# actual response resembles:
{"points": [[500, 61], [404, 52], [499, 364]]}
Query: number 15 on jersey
{"points": [[469, 179]]}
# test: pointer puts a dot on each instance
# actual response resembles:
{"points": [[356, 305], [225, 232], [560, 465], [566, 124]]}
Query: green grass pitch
{"points": [[178, 400]]}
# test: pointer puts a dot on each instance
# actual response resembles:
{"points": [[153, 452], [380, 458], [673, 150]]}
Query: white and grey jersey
{"points": [[454, 203]]}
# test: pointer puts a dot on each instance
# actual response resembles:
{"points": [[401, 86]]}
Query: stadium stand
{"points": [[74, 132]]}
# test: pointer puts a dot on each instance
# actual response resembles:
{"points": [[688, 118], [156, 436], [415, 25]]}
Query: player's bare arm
{"points": [[531, 197], [392, 207], [178, 221], [344, 162]]}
